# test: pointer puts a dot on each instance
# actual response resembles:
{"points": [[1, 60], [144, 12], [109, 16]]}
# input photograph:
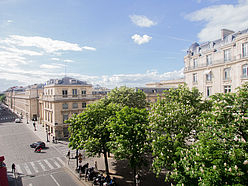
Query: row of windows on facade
{"points": [[74, 92], [227, 55], [74, 105], [227, 88], [227, 74]]}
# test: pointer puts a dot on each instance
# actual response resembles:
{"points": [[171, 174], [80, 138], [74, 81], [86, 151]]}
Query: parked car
{"points": [[18, 120], [36, 144]]}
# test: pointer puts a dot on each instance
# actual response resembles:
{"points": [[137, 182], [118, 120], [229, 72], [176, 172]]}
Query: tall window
{"points": [[209, 59], [84, 105], [83, 92], [194, 78], [227, 75], [195, 63], [245, 71], [227, 55], [209, 76], [227, 88], [65, 117], [209, 91], [64, 93], [245, 49], [65, 106], [74, 92], [74, 105]]}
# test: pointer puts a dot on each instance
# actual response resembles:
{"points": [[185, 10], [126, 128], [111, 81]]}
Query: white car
{"points": [[17, 120]]}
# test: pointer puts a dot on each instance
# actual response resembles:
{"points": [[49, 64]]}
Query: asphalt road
{"points": [[32, 169], [6, 115]]}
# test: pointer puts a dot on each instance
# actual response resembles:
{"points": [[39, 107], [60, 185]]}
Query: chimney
{"points": [[225, 32]]}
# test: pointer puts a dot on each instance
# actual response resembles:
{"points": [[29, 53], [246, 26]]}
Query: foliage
{"points": [[125, 96], [89, 129], [220, 156], [174, 119], [129, 135], [2, 98]]}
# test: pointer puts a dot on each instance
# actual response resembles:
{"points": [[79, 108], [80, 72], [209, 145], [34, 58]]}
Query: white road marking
{"points": [[34, 167], [49, 164], [60, 160], [30, 184], [57, 164], [55, 180], [42, 166], [27, 169], [18, 169]]}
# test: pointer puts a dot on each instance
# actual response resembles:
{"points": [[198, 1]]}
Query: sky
{"points": [[107, 42]]}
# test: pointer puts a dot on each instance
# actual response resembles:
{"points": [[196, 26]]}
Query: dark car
{"points": [[38, 143]]}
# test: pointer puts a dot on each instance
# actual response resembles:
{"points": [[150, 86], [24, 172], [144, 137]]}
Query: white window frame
{"points": [[245, 71], [227, 73], [209, 76], [208, 91], [84, 104], [245, 49], [209, 59], [65, 106], [74, 92], [227, 55], [195, 63], [195, 78], [227, 88], [74, 105]]}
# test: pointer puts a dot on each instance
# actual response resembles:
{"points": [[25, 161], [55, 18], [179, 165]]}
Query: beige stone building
{"points": [[24, 100], [166, 84], [59, 101], [218, 66]]}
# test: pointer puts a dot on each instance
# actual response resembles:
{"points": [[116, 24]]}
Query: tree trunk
{"points": [[134, 175], [106, 161]]}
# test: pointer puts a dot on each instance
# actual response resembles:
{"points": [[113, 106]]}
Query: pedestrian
{"points": [[13, 168], [68, 154], [34, 125], [137, 178], [95, 165]]}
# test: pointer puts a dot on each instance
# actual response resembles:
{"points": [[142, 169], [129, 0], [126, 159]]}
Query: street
{"points": [[45, 168]]}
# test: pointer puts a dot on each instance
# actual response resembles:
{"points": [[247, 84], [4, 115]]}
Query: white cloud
{"points": [[51, 66], [55, 59], [10, 21], [68, 61], [88, 48], [141, 39], [232, 17], [142, 21], [47, 44]]}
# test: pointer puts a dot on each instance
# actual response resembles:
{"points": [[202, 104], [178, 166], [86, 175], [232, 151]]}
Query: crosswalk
{"points": [[30, 168]]}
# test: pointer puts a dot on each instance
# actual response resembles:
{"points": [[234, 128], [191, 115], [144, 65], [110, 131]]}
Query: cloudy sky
{"points": [[107, 42]]}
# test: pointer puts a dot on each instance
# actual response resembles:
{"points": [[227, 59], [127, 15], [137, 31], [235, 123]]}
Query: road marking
{"points": [[55, 180], [34, 167], [27, 169], [57, 164], [30, 184], [60, 160], [49, 164], [18, 169], [42, 166]]}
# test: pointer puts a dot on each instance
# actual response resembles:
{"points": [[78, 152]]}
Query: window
{"points": [[74, 105], [194, 63], [227, 88], [209, 59], [227, 74], [245, 71], [65, 106], [83, 92], [194, 78], [209, 76], [227, 55], [74, 92], [209, 91], [65, 117], [245, 49], [83, 105], [64, 93]]}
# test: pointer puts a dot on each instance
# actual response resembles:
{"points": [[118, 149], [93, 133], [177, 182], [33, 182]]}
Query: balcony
{"points": [[66, 97], [214, 62]]}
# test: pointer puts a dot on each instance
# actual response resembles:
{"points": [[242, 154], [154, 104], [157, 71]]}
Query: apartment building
{"points": [[218, 66], [59, 101], [24, 100]]}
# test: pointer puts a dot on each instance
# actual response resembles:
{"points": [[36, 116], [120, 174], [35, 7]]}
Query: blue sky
{"points": [[107, 42]]}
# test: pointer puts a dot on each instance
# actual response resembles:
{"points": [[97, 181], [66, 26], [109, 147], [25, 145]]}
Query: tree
{"points": [[129, 136], [125, 96], [220, 155], [89, 131], [174, 120]]}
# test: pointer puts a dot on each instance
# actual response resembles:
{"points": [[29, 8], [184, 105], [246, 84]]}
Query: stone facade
{"points": [[218, 66], [59, 101]]}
